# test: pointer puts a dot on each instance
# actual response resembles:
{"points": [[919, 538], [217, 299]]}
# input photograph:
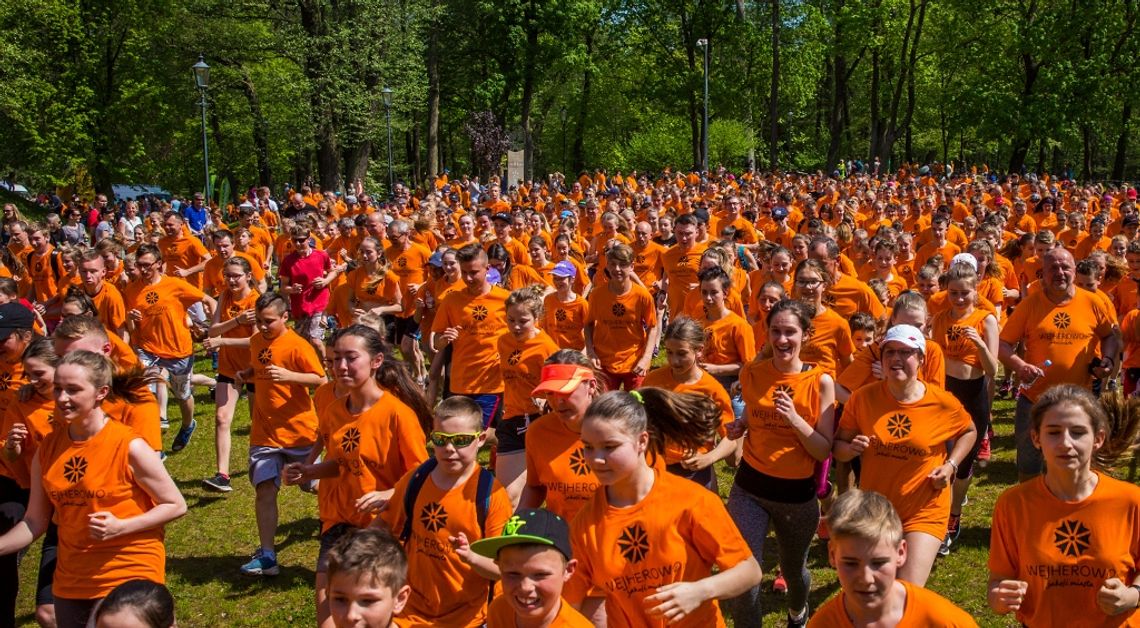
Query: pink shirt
{"points": [[303, 270]]}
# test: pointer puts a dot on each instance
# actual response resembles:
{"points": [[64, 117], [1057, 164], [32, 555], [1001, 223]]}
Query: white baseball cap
{"points": [[907, 335]]}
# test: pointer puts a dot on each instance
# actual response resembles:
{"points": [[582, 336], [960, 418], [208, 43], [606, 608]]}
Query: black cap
{"points": [[1131, 219], [534, 526], [13, 317], [504, 216]]}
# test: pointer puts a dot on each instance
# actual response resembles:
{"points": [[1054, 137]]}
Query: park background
{"points": [[98, 92]]}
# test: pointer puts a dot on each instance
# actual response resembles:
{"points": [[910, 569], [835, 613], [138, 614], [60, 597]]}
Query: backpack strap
{"points": [[419, 476], [483, 498]]}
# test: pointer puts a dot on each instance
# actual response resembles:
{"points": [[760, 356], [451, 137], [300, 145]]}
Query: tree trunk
{"points": [[874, 109], [356, 162], [530, 19], [1020, 144], [260, 128], [774, 94], [1122, 142], [324, 124], [432, 55], [579, 150]]}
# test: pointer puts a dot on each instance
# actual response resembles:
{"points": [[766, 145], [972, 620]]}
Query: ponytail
{"points": [[687, 420]]}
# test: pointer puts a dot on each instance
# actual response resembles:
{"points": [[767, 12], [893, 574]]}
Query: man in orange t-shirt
{"points": [[157, 309], [409, 261], [471, 321], [107, 298], [621, 324], [185, 254], [213, 283], [1061, 328], [681, 262], [846, 294], [283, 424]]}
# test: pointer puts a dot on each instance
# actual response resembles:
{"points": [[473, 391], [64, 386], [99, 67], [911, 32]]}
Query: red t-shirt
{"points": [[304, 270]]}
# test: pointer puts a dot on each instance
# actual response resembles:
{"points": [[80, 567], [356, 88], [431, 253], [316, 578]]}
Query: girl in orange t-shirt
{"points": [[522, 351], [901, 429], [229, 336], [969, 337], [765, 297], [648, 526], [729, 343], [1065, 545], [684, 341], [564, 310], [104, 487], [370, 439], [374, 288], [788, 425], [830, 346]]}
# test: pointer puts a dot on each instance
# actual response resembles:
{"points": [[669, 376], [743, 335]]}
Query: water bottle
{"points": [[1024, 386]]}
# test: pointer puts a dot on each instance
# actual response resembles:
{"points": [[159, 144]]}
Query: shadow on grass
{"points": [[224, 570]]}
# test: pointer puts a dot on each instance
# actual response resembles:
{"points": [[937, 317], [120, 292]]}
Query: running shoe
{"points": [[164, 424], [182, 439], [984, 452], [944, 548], [799, 622], [220, 483], [780, 585], [954, 527], [261, 565]]}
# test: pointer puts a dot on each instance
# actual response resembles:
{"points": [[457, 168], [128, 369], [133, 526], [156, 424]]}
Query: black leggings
{"points": [[10, 493], [974, 395]]}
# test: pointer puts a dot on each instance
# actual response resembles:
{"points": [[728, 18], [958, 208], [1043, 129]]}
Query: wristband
{"points": [[1137, 587], [950, 461]]}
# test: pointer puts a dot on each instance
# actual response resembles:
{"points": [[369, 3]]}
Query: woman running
{"points": [[829, 346]]}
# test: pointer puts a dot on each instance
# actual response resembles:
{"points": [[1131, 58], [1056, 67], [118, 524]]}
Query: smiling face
{"points": [[75, 394], [532, 577], [866, 570], [900, 362], [785, 335]]}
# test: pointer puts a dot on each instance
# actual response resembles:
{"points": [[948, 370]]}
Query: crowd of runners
{"points": [[834, 343]]}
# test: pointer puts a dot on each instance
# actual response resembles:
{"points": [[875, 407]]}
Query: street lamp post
{"points": [[386, 93], [202, 80], [703, 44], [562, 114]]}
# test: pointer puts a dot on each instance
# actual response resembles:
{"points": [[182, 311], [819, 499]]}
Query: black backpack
{"points": [[420, 475]]}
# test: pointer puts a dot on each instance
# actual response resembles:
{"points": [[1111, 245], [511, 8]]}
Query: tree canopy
{"points": [[100, 91]]}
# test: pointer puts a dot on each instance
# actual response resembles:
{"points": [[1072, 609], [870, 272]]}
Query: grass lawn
{"points": [[206, 547]]}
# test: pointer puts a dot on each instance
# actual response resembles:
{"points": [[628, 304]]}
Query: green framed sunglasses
{"points": [[459, 440]]}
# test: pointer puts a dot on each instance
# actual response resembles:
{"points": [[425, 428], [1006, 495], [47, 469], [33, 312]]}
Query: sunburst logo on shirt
{"points": [[5, 380], [560, 315], [782, 388], [74, 469], [829, 299], [1061, 320], [638, 259], [402, 262], [955, 333], [1072, 538], [39, 267], [633, 543], [351, 440], [433, 517], [151, 297], [514, 357], [898, 426], [618, 310], [479, 313], [578, 462], [234, 311], [265, 356], [683, 261]]}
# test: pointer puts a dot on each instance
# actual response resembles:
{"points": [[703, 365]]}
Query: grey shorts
{"points": [[1029, 460], [310, 327], [179, 369], [266, 463]]}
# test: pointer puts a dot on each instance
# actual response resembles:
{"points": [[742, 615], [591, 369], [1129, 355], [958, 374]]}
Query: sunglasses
{"points": [[460, 440]]}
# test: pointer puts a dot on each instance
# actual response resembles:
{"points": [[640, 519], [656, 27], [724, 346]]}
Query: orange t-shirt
{"points": [[501, 615], [829, 340], [37, 415], [445, 590], [369, 291], [282, 414], [565, 321], [1068, 335], [705, 386], [372, 449], [647, 262], [521, 363], [924, 609], [163, 331], [234, 359], [109, 303], [729, 341], [409, 266], [41, 274], [621, 325], [481, 319], [681, 267], [849, 295], [143, 416], [950, 334], [908, 441], [675, 534], [434, 292], [771, 445], [556, 460], [694, 306], [81, 478], [185, 252], [122, 354], [1066, 550]]}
